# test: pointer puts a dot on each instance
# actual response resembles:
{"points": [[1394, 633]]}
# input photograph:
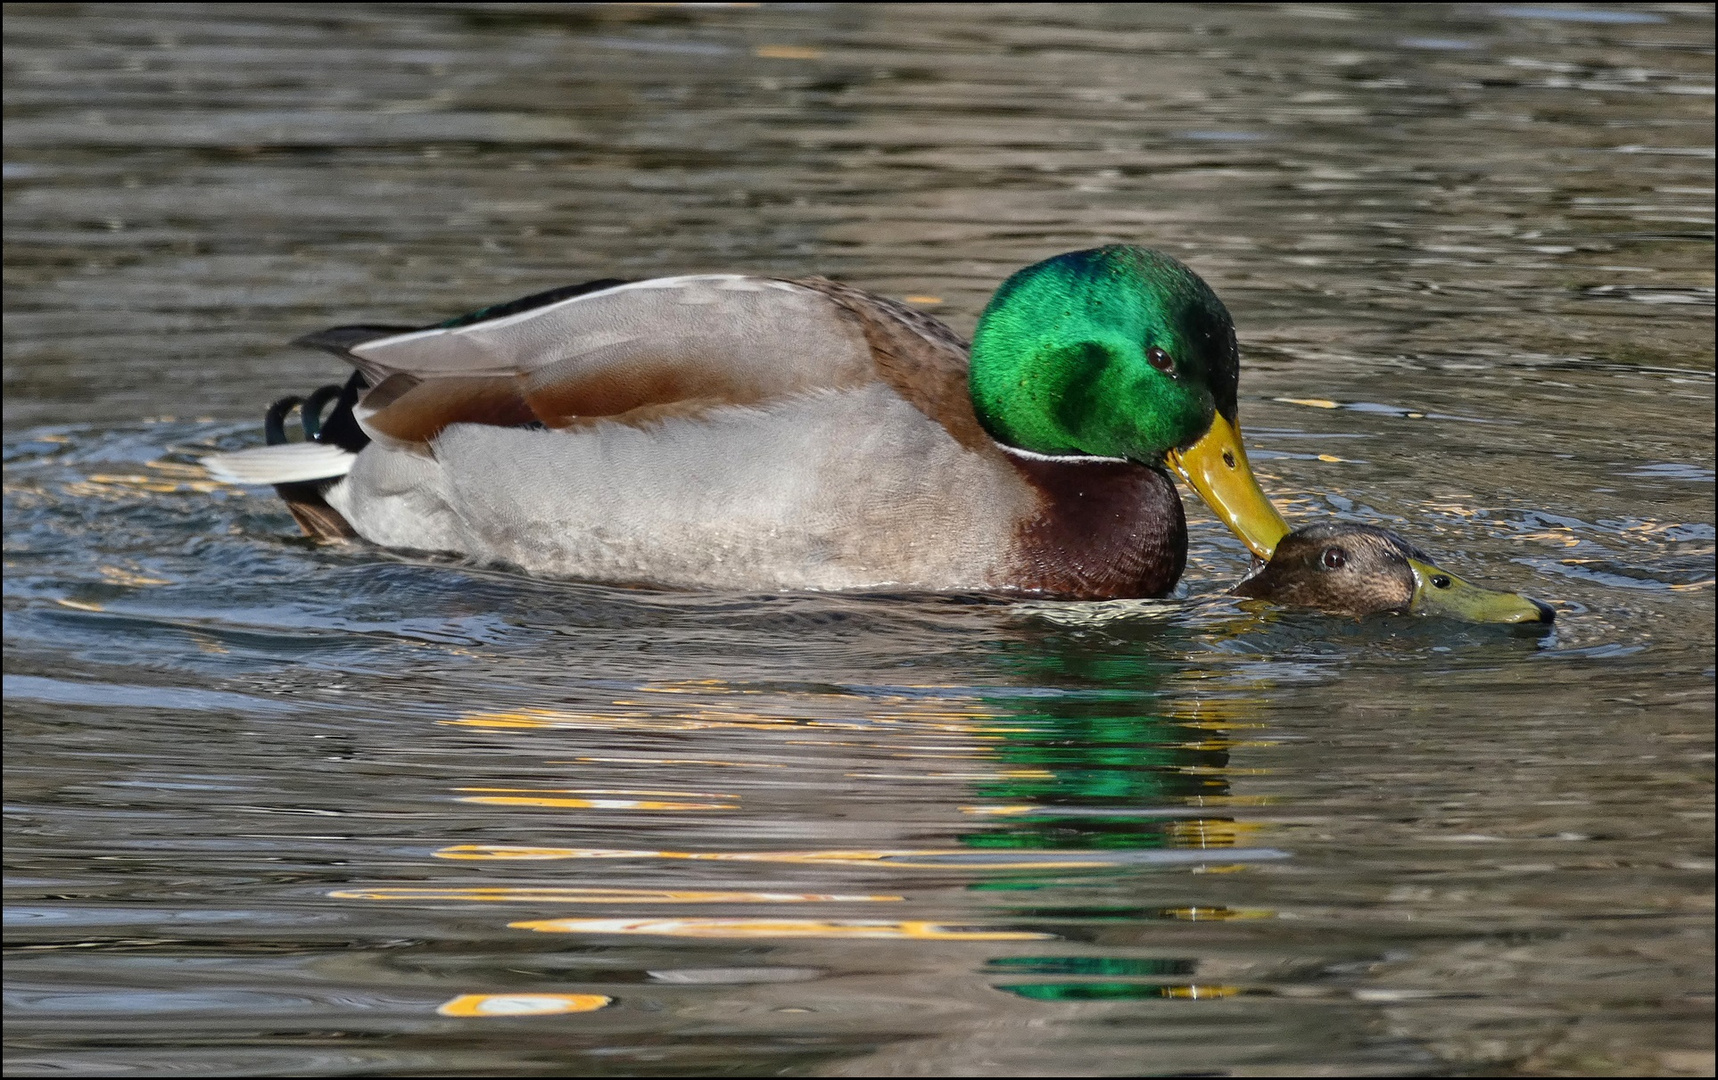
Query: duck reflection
{"points": [[1128, 754], [1114, 761]]}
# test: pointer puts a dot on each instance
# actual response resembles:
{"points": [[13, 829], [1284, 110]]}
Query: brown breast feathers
{"points": [[1105, 530]]}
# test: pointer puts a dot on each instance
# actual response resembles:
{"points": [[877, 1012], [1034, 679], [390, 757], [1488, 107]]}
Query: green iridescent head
{"points": [[1121, 352], [1117, 351]]}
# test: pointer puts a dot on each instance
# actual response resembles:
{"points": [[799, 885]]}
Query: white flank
{"points": [[284, 464]]}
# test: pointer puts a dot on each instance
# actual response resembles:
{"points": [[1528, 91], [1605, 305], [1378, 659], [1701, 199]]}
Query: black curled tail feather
{"points": [[274, 421], [339, 429], [305, 498], [310, 414]]}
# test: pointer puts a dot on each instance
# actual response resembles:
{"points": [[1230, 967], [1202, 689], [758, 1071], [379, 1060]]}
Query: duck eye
{"points": [[1335, 558], [1439, 581], [1160, 360]]}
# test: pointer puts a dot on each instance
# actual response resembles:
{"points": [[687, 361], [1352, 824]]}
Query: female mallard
{"points": [[755, 433], [1349, 569]]}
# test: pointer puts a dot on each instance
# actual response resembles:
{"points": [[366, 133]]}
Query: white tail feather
{"points": [[284, 464]]}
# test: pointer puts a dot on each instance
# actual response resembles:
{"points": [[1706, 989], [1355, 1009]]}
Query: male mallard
{"points": [[1350, 569], [755, 433]]}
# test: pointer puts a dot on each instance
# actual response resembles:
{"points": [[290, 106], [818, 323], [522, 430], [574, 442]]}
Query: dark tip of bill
{"points": [[1546, 613]]}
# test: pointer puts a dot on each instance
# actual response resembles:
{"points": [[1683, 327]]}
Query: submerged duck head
{"points": [[1351, 569], [1121, 352]]}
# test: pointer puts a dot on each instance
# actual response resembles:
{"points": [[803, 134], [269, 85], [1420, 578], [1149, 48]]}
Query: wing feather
{"points": [[411, 410], [637, 350]]}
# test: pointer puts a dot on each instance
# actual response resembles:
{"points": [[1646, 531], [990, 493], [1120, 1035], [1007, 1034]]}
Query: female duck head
{"points": [[1121, 352], [1350, 569]]}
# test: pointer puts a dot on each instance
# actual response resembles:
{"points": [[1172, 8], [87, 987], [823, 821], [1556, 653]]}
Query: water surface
{"points": [[281, 807]]}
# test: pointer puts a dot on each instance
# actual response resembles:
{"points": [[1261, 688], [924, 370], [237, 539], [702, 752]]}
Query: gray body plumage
{"points": [[832, 489]]}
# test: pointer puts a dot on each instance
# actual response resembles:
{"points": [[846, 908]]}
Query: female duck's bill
{"points": [[1351, 569]]}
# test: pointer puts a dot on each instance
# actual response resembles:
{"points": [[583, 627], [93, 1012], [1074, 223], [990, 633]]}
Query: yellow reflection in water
{"points": [[605, 791], [1215, 914], [594, 799], [1196, 993], [121, 576], [998, 774], [924, 859], [772, 928], [177, 478], [663, 708], [589, 804], [506, 894], [704, 720], [1226, 744], [696, 686], [1210, 833], [1214, 713], [670, 761], [787, 52], [180, 469], [521, 1004]]}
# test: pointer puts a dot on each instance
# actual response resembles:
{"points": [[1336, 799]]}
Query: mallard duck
{"points": [[724, 430], [1350, 569]]}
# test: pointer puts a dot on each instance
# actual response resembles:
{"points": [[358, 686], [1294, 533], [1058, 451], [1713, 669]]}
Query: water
{"points": [[286, 808]]}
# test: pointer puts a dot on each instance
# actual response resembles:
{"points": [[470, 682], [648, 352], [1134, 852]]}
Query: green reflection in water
{"points": [[1111, 741], [1116, 760]]}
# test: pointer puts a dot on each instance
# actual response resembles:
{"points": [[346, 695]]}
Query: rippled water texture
{"points": [[285, 808]]}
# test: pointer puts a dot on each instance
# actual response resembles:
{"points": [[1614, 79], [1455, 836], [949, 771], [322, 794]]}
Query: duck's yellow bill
{"points": [[1216, 467], [1439, 592]]}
